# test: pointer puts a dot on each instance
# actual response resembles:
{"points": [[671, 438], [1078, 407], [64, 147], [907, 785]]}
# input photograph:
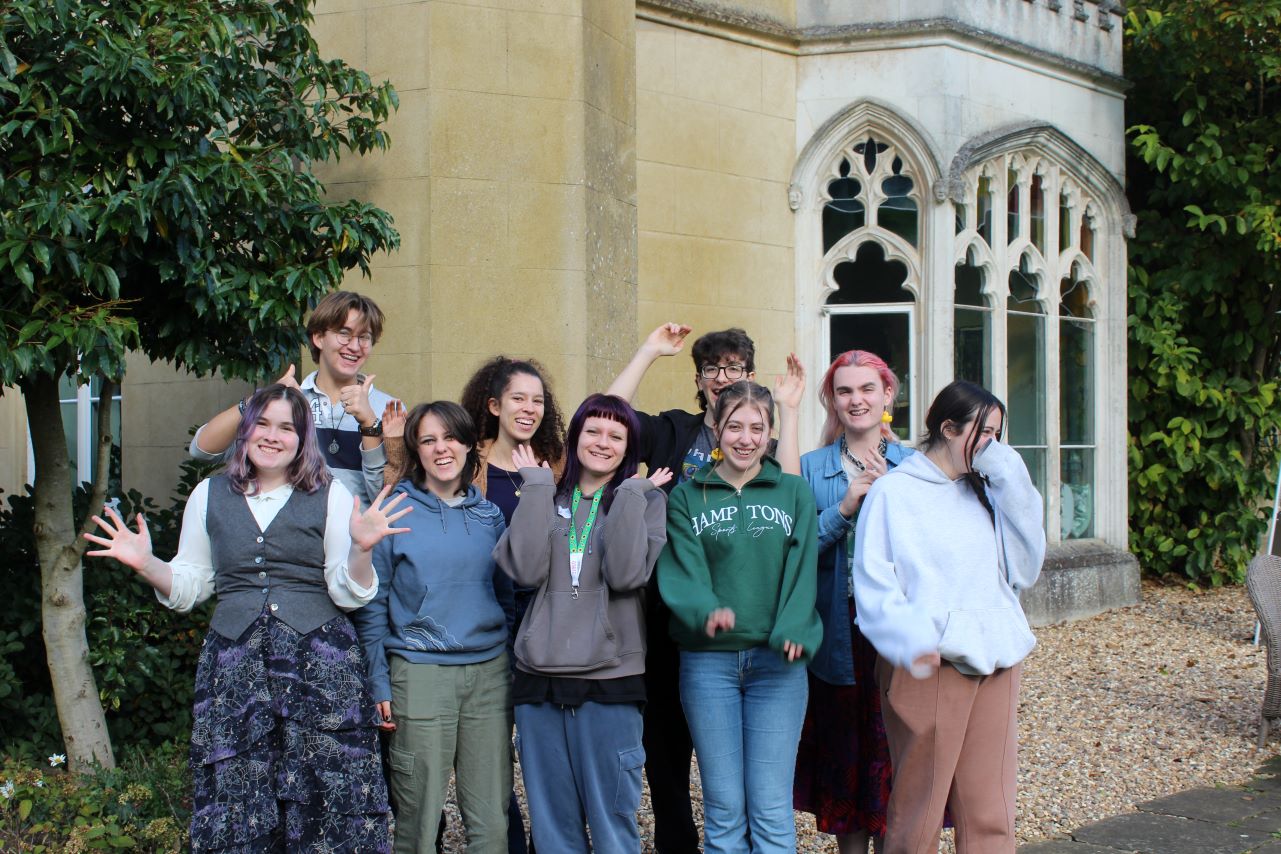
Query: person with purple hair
{"points": [[284, 745], [588, 543]]}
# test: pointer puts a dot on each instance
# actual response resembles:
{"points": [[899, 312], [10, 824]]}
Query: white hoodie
{"points": [[934, 572]]}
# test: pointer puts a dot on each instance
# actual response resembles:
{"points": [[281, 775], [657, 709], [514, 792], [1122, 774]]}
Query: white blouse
{"points": [[193, 570]]}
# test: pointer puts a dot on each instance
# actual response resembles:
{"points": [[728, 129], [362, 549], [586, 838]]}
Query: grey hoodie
{"points": [[933, 571], [600, 633]]}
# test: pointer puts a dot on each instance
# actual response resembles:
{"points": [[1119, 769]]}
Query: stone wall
{"points": [[716, 142]]}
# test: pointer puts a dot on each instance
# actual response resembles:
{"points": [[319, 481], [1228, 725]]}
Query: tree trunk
{"points": [[75, 693]]}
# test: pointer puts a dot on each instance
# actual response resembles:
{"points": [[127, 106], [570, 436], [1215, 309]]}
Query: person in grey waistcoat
{"points": [[284, 748]]}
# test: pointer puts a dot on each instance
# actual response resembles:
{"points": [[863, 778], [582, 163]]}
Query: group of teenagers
{"points": [[838, 632]]}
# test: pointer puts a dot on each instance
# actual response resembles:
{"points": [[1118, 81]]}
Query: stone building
{"points": [[939, 181]]}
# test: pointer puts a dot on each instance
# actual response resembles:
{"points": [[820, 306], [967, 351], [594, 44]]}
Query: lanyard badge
{"points": [[577, 543]]}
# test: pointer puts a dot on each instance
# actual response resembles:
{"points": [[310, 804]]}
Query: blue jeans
{"points": [[582, 768], [745, 711]]}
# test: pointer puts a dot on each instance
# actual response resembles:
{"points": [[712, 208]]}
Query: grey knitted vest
{"points": [[281, 568]]}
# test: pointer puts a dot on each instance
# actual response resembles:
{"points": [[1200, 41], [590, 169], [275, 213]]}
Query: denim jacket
{"points": [[834, 661]]}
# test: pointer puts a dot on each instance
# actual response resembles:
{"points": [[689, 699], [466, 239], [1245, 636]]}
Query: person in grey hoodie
{"points": [[588, 544], [435, 642], [944, 544]]}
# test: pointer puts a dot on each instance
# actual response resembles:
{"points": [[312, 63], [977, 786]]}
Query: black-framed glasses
{"points": [[345, 337], [733, 372]]}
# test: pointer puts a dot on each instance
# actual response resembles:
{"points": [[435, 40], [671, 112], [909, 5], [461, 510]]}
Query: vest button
{"points": [[258, 559], [260, 539], [265, 590], [262, 575], [275, 607]]}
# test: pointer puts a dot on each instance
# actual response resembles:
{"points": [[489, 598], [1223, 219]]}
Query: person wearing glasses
{"points": [[682, 442], [341, 332]]}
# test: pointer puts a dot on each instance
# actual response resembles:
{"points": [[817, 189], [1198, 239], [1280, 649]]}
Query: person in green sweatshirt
{"points": [[740, 575]]}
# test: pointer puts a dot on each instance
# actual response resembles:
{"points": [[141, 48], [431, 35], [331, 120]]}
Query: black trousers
{"points": [[669, 750]]}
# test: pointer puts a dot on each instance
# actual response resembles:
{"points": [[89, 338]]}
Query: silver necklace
{"points": [[855, 461], [333, 425]]}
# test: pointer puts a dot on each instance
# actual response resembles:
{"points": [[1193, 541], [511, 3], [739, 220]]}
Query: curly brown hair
{"points": [[490, 381]]}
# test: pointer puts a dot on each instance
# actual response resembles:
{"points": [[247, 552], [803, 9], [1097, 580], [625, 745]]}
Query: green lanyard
{"points": [[578, 544]]}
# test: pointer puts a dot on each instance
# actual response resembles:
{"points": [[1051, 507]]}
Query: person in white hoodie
{"points": [[944, 544]]}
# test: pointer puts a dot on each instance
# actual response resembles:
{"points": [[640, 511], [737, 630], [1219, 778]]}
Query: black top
{"points": [[666, 438], [568, 691], [500, 488]]}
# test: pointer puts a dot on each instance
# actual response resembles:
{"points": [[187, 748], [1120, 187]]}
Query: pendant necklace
{"points": [[333, 427], [515, 479]]}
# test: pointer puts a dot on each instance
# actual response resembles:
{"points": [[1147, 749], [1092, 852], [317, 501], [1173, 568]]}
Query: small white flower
{"points": [[39, 784], [6, 791], [57, 759]]}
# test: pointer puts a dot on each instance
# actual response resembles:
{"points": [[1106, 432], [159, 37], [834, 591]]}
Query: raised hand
{"points": [[667, 340], [722, 619], [792, 651], [394, 416], [287, 378], [355, 399], [131, 548], [659, 476], [371, 526], [789, 388], [523, 458]]}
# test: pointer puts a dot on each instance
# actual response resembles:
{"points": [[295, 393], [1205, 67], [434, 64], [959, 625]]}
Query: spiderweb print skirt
{"points": [[284, 747]]}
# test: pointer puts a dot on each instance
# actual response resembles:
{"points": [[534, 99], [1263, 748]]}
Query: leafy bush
{"points": [[141, 805], [1205, 286], [143, 655]]}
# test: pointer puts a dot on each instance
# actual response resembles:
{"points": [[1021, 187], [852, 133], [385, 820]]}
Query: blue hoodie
{"points": [[435, 601]]}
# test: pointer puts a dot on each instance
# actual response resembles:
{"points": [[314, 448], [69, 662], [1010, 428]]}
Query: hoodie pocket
{"points": [[564, 634], [979, 642]]}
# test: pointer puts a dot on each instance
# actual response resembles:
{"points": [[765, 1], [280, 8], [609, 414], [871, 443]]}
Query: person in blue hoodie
{"points": [[435, 642], [843, 765]]}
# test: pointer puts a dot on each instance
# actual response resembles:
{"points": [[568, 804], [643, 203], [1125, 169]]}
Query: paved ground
{"points": [[1199, 821]]}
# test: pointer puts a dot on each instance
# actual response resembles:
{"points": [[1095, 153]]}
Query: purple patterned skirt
{"points": [[284, 747]]}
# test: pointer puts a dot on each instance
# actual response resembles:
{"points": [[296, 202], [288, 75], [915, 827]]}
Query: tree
{"points": [[1205, 334], [156, 195]]}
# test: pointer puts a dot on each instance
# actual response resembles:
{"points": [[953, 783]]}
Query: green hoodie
{"points": [[753, 550]]}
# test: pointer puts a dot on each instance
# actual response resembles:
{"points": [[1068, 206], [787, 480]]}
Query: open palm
{"points": [[132, 548]]}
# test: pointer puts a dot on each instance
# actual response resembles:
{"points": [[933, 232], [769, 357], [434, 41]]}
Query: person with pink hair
{"points": [[843, 767]]}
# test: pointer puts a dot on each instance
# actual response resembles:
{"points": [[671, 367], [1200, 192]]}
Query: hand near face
{"points": [[667, 340], [523, 458], [394, 415], [131, 548], [874, 466], [371, 526], [789, 388], [722, 619], [355, 399]]}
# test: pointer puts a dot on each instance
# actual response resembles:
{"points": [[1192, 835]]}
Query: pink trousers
{"points": [[954, 743]]}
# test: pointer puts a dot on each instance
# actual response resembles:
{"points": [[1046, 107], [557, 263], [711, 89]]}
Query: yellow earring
{"points": [[886, 418], [717, 456]]}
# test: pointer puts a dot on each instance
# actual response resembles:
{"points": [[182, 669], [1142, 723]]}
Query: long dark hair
{"points": [[457, 423], [613, 408], [961, 402], [490, 381], [306, 472]]}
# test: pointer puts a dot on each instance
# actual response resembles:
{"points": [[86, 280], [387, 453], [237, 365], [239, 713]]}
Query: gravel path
{"points": [[1121, 708]]}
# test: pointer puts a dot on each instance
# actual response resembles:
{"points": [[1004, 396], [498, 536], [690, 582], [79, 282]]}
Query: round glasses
{"points": [[345, 337]]}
